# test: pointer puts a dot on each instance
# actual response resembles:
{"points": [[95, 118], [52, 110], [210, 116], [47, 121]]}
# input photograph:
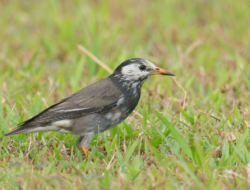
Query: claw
{"points": [[83, 150]]}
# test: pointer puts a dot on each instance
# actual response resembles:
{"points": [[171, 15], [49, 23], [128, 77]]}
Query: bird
{"points": [[97, 107]]}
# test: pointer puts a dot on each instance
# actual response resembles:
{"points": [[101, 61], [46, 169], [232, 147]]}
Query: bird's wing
{"points": [[98, 97]]}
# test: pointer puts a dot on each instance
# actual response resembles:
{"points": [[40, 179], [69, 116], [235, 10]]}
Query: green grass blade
{"points": [[131, 150], [247, 81], [176, 135]]}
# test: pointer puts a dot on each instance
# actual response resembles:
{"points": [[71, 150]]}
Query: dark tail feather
{"points": [[20, 130]]}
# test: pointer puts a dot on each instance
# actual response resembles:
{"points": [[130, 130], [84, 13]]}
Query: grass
{"points": [[193, 132]]}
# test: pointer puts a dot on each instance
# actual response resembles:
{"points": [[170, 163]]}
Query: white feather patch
{"points": [[109, 115], [55, 126], [75, 109], [116, 116], [120, 101], [113, 115], [42, 129], [150, 64], [62, 123]]}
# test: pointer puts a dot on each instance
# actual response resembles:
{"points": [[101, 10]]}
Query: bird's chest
{"points": [[123, 109], [128, 105]]}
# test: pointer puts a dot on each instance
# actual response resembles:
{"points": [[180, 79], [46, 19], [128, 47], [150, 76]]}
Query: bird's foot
{"points": [[86, 153], [83, 150]]}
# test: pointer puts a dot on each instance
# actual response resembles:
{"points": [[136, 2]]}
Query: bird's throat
{"points": [[126, 85]]}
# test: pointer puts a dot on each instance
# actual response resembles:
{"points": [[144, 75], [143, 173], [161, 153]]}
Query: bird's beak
{"points": [[159, 71]]}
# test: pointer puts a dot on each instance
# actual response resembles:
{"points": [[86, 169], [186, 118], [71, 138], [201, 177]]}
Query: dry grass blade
{"points": [[184, 91], [217, 119], [193, 46], [94, 58]]}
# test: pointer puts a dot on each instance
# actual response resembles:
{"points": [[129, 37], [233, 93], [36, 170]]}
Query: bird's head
{"points": [[138, 70], [132, 73]]}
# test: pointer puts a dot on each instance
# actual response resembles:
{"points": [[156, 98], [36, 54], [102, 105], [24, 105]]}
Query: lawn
{"points": [[188, 132]]}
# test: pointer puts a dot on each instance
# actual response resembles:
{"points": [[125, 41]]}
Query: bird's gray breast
{"points": [[123, 109], [109, 118]]}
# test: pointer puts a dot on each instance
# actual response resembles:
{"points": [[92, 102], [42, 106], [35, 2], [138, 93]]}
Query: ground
{"points": [[188, 132]]}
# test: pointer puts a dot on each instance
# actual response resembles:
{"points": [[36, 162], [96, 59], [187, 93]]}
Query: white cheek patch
{"points": [[133, 72]]}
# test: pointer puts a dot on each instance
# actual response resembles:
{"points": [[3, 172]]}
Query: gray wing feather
{"points": [[97, 97]]}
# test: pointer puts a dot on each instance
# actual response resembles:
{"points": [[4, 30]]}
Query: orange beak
{"points": [[159, 71]]}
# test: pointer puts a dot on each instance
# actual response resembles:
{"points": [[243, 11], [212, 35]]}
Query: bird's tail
{"points": [[23, 129]]}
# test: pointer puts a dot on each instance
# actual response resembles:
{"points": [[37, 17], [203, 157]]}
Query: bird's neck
{"points": [[126, 85]]}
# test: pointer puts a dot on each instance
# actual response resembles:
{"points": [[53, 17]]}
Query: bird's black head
{"points": [[137, 69], [132, 73]]}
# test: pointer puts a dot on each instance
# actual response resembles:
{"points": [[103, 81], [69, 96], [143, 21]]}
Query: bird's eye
{"points": [[142, 67]]}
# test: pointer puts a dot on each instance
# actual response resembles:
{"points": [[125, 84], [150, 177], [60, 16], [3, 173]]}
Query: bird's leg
{"points": [[83, 150], [80, 147], [83, 143]]}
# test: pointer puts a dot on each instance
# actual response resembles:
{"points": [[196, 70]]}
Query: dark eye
{"points": [[142, 67]]}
